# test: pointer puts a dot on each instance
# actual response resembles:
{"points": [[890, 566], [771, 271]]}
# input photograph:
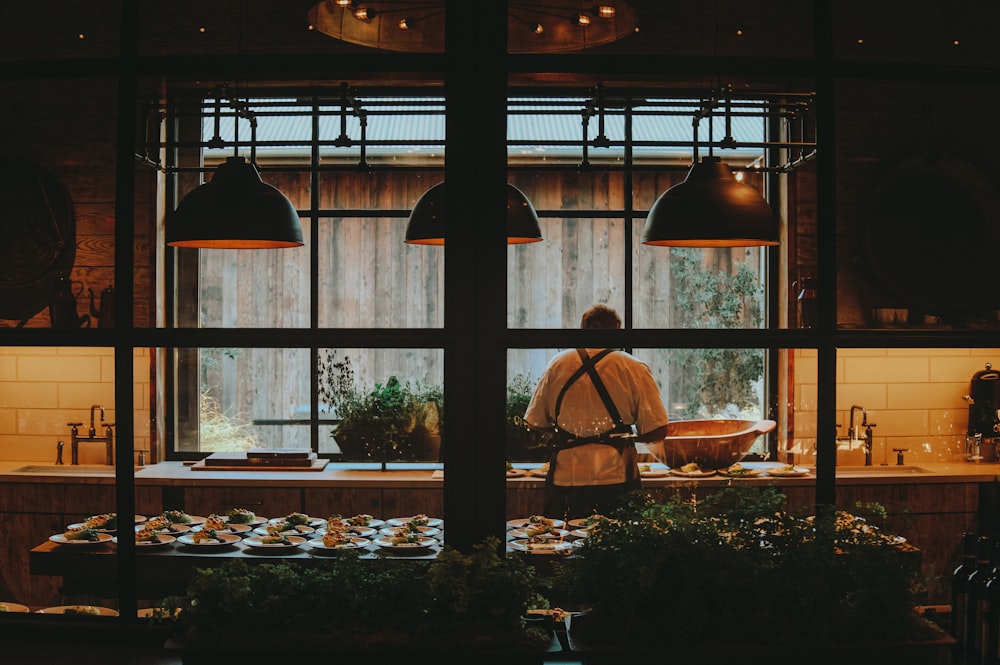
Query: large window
{"points": [[354, 163]]}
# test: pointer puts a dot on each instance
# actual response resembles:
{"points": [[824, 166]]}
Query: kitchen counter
{"points": [[166, 474]]}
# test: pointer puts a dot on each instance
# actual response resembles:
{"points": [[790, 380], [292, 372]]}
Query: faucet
{"points": [[853, 430], [868, 440], [108, 439], [59, 449]]}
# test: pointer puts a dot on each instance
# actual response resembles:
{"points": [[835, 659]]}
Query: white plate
{"points": [[386, 543], [428, 531], [299, 530], [101, 538], [514, 473], [224, 539], [13, 607], [353, 544], [655, 473], [373, 523], [314, 522], [293, 542], [139, 519], [525, 522], [230, 528], [548, 547], [744, 473], [68, 609], [403, 521], [554, 534], [359, 531], [789, 473], [256, 521], [702, 473], [163, 539], [584, 522], [192, 520], [174, 529], [579, 533]]}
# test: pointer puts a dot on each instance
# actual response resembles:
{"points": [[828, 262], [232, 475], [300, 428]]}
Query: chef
{"points": [[598, 402]]}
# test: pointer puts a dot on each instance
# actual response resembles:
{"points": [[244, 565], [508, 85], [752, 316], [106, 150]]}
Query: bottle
{"points": [[975, 600], [960, 590], [991, 613]]}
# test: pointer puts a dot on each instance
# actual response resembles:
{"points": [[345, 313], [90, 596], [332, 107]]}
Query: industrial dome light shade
{"points": [[235, 210], [710, 209], [426, 223]]}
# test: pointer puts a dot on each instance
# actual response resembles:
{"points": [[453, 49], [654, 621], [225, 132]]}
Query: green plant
{"points": [[734, 568], [523, 444], [712, 381], [466, 601], [393, 421]]}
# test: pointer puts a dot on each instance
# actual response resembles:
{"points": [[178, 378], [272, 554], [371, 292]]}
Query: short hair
{"points": [[601, 317]]}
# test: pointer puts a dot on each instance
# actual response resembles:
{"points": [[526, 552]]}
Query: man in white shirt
{"points": [[594, 461]]}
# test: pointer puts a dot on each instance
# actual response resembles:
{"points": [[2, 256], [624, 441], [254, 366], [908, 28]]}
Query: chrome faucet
{"points": [[853, 430], [108, 439]]}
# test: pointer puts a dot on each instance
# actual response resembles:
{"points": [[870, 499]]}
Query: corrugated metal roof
{"points": [[534, 130]]}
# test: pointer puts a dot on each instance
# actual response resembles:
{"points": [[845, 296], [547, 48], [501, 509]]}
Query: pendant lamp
{"points": [[235, 210], [710, 209], [426, 223]]}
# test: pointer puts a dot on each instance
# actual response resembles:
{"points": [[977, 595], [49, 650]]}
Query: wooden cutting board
{"points": [[317, 465]]}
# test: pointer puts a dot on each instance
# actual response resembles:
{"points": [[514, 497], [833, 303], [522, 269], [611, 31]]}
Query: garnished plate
{"points": [[585, 522], [514, 473], [425, 521], [385, 542], [299, 530], [359, 531], [526, 522], [654, 473], [236, 529], [222, 540], [540, 471], [62, 540], [314, 522], [256, 543], [547, 547], [700, 473], [428, 531], [354, 543], [739, 473], [161, 539], [784, 472], [528, 532], [579, 533]]}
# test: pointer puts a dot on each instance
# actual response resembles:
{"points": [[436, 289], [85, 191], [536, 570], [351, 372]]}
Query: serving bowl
{"points": [[712, 444]]}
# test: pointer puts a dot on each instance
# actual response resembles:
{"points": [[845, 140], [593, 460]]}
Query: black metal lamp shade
{"points": [[235, 210], [710, 209], [426, 223]]}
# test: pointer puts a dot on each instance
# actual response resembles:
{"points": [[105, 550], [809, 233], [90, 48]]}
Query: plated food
{"points": [[274, 542], [83, 610], [540, 471], [586, 522], [514, 473], [535, 520], [410, 542], [653, 470], [692, 470], [739, 471], [208, 539], [787, 470], [416, 520], [541, 546], [151, 538], [428, 531], [81, 537], [363, 519], [338, 541], [543, 533], [244, 516], [181, 517], [284, 528]]}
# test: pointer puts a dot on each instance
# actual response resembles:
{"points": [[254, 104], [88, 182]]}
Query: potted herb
{"points": [[523, 444], [392, 421]]}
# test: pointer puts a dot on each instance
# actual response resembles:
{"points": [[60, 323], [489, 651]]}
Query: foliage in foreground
{"points": [[735, 569]]}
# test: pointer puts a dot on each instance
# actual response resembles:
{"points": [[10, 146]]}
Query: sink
{"points": [[75, 469], [880, 470]]}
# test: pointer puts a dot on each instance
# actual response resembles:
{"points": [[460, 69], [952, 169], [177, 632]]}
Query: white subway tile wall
{"points": [[44, 388], [914, 397]]}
